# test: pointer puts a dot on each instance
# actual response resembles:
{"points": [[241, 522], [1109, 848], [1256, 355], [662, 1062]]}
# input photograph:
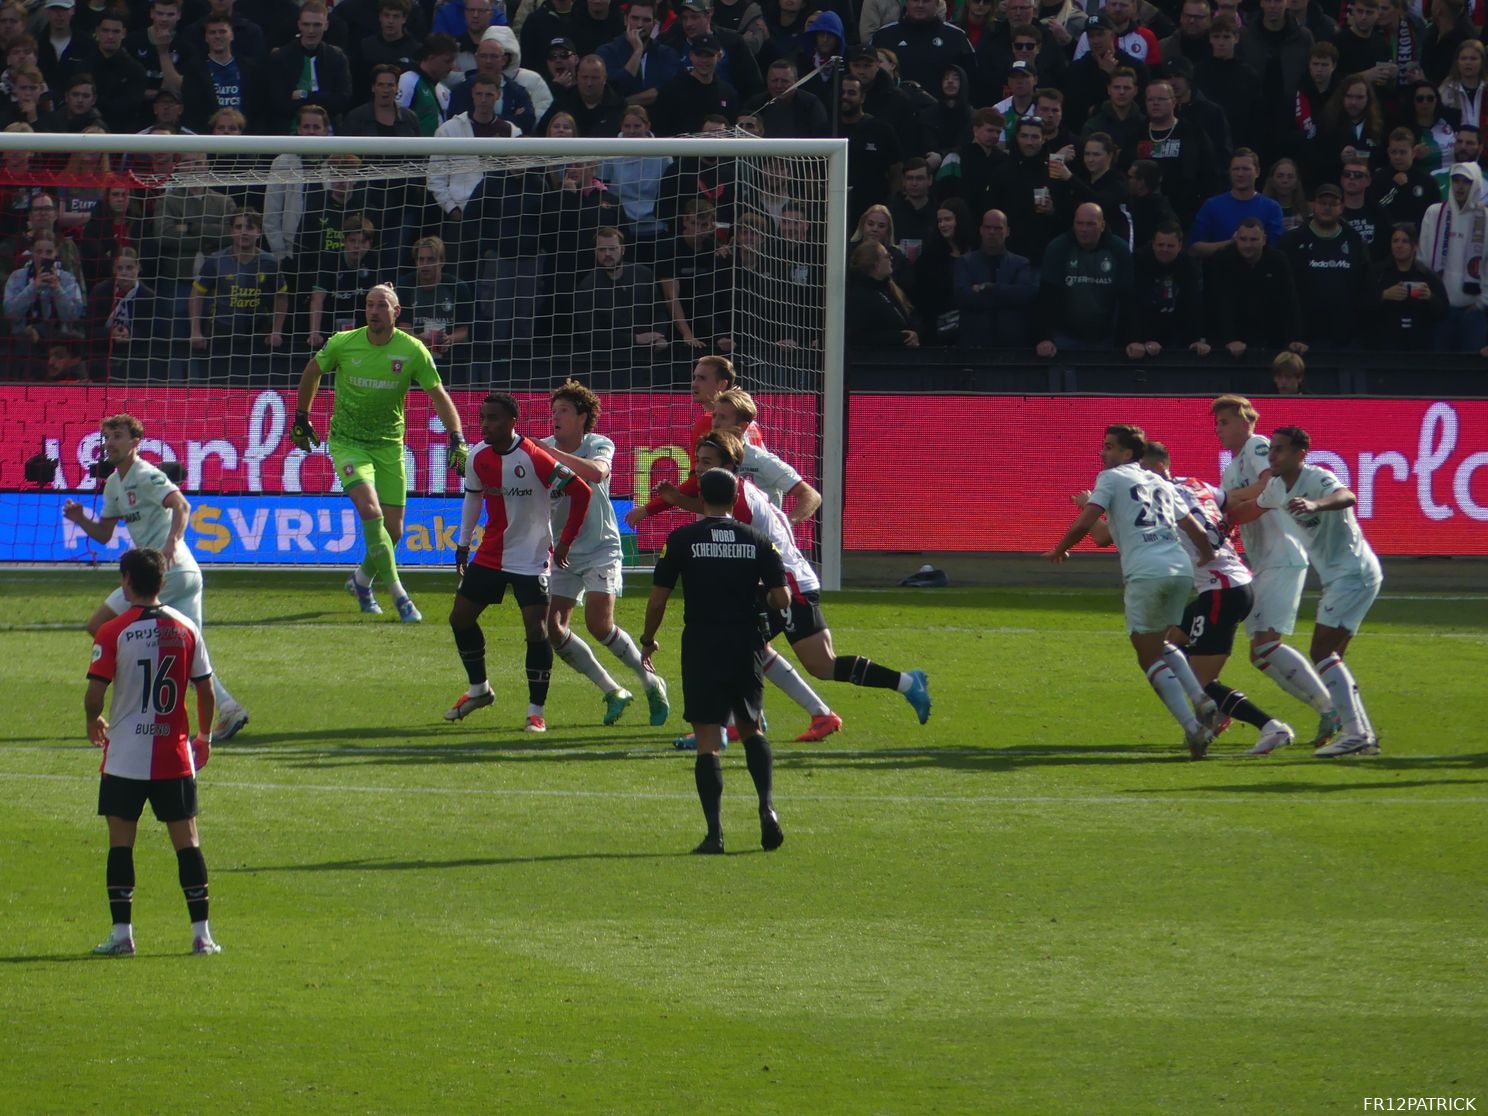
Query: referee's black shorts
{"points": [[171, 799], [1210, 619], [723, 673]]}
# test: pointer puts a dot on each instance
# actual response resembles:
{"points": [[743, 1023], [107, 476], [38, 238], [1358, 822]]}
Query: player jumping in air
{"points": [[374, 367], [517, 480], [156, 512], [593, 574], [1317, 508], [1144, 516]]}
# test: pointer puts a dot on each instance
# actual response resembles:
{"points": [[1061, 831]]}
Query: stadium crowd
{"points": [[1283, 175]]}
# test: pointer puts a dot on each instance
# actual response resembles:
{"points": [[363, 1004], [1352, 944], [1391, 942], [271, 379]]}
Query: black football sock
{"points": [[471, 643], [761, 768], [864, 672], [707, 772], [1232, 703], [191, 867], [539, 670], [120, 881]]}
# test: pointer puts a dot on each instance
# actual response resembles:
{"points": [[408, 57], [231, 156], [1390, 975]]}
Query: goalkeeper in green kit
{"points": [[374, 367]]}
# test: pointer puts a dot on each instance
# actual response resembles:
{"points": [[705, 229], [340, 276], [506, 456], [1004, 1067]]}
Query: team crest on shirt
{"points": [[97, 652], [348, 469], [132, 498], [397, 366], [520, 471]]}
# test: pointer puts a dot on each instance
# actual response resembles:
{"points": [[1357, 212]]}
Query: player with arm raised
{"points": [[156, 512], [1278, 560], [374, 367], [517, 480], [150, 653], [1207, 633], [1142, 512], [1317, 508], [593, 574]]}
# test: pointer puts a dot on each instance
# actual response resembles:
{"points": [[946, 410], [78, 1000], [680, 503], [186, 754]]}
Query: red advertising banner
{"points": [[995, 473]]}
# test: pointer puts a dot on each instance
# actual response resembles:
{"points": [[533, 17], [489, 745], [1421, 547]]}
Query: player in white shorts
{"points": [[1144, 518], [593, 573], [1318, 509], [155, 512], [1278, 561]]}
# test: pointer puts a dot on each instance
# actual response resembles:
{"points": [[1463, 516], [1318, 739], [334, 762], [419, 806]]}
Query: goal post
{"points": [[729, 244]]}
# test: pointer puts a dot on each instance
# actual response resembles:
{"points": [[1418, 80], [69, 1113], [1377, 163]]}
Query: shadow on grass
{"points": [[373, 865], [68, 958]]}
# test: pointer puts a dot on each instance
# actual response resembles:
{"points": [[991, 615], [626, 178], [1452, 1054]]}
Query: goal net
{"points": [[188, 280]]}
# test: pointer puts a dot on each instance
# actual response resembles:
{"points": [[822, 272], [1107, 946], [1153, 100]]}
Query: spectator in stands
{"points": [[1086, 83], [970, 172], [478, 17], [223, 78], [1182, 152], [1284, 186], [696, 93], [1252, 300], [422, 90], [13, 18], [1287, 372], [1231, 83], [311, 71], [560, 66], [636, 184], [788, 113], [530, 80], [1130, 35], [705, 176], [877, 225], [1355, 126], [736, 65], [121, 316], [1191, 40], [239, 302], [25, 104], [1434, 128], [61, 51], [83, 177], [455, 180], [515, 106], [391, 45], [284, 197], [340, 288], [1454, 241], [1360, 212], [694, 275], [954, 235], [1146, 204], [1362, 49], [639, 64], [925, 43], [1462, 91], [1330, 268], [873, 153], [159, 48], [599, 21], [824, 41], [912, 212], [63, 363], [79, 107], [574, 204], [330, 203], [1403, 188], [593, 104], [1119, 117], [995, 289], [1168, 300], [1198, 112], [248, 38], [41, 221], [1022, 83], [169, 112], [1276, 47], [1096, 179], [615, 305], [353, 20], [120, 80], [1401, 24], [1407, 300], [950, 119], [382, 115], [1448, 27], [110, 228], [190, 222], [1220, 216], [1048, 106], [878, 315], [439, 305], [43, 302], [1036, 193], [547, 21], [1085, 289]]}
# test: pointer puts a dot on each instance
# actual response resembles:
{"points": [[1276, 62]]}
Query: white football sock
{"points": [[619, 644], [577, 654], [534, 710], [362, 579], [225, 700], [399, 593], [780, 672], [1290, 670], [906, 683], [478, 688], [1178, 663], [1345, 692], [1166, 683], [123, 931], [202, 930]]}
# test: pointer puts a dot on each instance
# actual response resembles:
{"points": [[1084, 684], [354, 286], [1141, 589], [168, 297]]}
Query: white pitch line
{"points": [[1134, 799]]}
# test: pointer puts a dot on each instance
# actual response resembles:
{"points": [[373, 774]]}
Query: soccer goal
{"points": [[188, 279]]}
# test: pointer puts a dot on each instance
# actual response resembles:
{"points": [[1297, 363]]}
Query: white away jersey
{"points": [[151, 656], [1141, 509], [770, 474], [776, 526], [1266, 540], [598, 543], [138, 499], [1206, 504], [515, 486], [1333, 539]]}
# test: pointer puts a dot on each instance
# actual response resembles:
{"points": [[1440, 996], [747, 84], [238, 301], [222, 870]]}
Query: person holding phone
{"points": [[1407, 300], [43, 302]]}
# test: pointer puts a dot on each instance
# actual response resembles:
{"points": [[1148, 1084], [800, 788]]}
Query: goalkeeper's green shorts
{"points": [[382, 468]]}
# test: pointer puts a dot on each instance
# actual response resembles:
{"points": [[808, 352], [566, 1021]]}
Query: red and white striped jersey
{"points": [[515, 485], [776, 526], [704, 423], [150, 655], [1206, 503]]}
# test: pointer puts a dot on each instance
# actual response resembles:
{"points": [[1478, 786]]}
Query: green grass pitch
{"points": [[1034, 904]]}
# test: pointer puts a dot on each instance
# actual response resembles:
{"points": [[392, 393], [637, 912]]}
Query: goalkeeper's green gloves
{"points": [[459, 452], [302, 433]]}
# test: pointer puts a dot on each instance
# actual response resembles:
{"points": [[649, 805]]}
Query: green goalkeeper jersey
{"points": [[371, 383]]}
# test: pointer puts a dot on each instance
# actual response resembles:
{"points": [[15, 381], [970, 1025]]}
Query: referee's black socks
{"points": [[761, 768], [707, 772], [120, 882], [539, 670], [471, 643], [1232, 703], [191, 868], [864, 672]]}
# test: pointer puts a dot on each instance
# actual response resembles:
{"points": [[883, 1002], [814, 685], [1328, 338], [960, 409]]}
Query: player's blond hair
{"points": [[722, 367], [1237, 403], [389, 290], [584, 401], [124, 421], [741, 402]]}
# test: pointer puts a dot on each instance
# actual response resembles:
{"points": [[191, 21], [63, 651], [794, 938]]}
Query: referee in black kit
{"points": [[724, 563]]}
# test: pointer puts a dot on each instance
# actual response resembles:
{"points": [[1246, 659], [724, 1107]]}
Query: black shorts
{"points": [[1210, 619], [800, 619], [486, 586], [723, 674], [171, 799]]}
